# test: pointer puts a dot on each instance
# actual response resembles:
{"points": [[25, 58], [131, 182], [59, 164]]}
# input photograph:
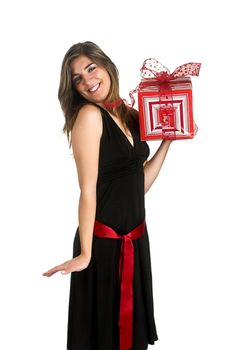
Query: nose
{"points": [[87, 81]]}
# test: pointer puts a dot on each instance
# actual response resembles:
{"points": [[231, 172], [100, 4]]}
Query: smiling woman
{"points": [[91, 81], [111, 298], [88, 74]]}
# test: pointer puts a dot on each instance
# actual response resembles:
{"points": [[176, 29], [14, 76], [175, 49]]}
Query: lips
{"points": [[94, 88]]}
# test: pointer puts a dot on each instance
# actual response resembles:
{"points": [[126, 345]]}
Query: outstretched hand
{"points": [[78, 263]]}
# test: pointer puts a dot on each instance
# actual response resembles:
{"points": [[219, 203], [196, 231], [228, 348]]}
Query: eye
{"points": [[76, 80], [91, 68]]}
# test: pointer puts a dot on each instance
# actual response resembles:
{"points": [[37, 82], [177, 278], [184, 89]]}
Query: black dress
{"points": [[94, 292]]}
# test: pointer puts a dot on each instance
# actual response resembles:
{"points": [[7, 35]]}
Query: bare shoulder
{"points": [[88, 115], [88, 124], [88, 127]]}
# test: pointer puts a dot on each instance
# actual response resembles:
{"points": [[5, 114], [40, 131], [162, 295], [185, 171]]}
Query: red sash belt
{"points": [[126, 269]]}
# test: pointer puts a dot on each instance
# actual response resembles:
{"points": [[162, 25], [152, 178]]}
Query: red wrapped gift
{"points": [[165, 101]]}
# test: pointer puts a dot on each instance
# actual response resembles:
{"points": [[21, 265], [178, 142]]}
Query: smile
{"points": [[94, 88]]}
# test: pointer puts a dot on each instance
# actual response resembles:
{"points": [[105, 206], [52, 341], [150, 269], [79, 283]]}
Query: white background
{"points": [[189, 208]]}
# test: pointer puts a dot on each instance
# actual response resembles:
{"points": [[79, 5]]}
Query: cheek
{"points": [[80, 89], [108, 81]]}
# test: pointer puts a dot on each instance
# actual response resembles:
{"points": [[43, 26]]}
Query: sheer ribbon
{"points": [[154, 72]]}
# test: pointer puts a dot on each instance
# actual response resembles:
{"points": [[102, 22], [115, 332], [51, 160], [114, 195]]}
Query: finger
{"points": [[53, 270], [49, 273]]}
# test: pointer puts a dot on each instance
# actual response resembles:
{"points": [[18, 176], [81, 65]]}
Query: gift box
{"points": [[165, 101]]}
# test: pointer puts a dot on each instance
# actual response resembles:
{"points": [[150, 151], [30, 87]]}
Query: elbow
{"points": [[146, 189], [88, 192], [146, 186]]}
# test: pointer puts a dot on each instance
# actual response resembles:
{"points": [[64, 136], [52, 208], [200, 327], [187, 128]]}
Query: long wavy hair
{"points": [[71, 101]]}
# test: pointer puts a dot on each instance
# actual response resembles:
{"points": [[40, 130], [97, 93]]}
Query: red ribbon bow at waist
{"points": [[153, 71], [126, 269]]}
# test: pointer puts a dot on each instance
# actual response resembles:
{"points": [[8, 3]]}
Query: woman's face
{"points": [[90, 80]]}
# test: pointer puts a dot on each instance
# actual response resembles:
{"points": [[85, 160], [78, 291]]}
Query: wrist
{"points": [[86, 255], [168, 141]]}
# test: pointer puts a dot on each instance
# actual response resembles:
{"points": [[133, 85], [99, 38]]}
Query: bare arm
{"points": [[153, 166], [86, 135], [85, 138]]}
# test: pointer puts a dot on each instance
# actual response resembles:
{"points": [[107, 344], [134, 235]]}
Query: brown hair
{"points": [[71, 101]]}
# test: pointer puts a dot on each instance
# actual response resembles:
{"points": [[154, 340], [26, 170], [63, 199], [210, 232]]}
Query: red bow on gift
{"points": [[152, 69]]}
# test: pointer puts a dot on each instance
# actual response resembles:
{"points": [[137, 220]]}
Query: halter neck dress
{"points": [[94, 299]]}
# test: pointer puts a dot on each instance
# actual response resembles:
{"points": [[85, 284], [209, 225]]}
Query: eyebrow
{"points": [[73, 75]]}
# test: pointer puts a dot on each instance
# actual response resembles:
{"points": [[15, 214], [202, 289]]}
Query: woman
{"points": [[111, 301]]}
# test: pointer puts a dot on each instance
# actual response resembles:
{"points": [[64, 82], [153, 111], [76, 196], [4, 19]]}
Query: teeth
{"points": [[94, 88]]}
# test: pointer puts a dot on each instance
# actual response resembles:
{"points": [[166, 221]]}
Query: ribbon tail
{"points": [[126, 300], [132, 99]]}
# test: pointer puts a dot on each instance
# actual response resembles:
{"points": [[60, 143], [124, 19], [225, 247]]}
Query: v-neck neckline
{"points": [[122, 132]]}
